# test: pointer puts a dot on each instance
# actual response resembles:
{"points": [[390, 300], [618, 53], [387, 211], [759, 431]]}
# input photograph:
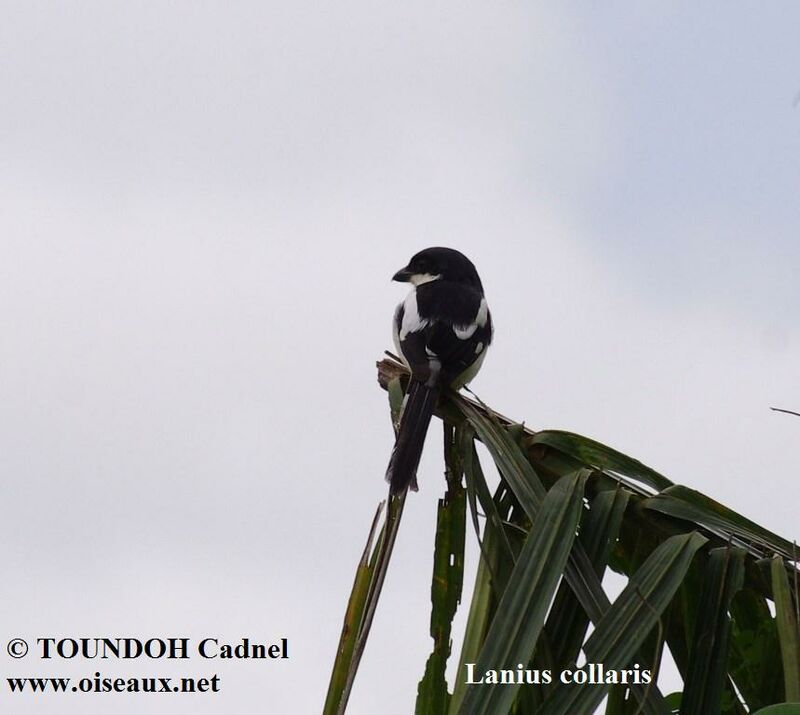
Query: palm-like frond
{"points": [[567, 508]]}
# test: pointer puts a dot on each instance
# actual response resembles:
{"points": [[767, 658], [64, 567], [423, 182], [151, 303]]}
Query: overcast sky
{"points": [[202, 206]]}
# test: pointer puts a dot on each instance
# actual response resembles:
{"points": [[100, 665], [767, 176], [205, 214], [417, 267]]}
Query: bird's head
{"points": [[434, 264]]}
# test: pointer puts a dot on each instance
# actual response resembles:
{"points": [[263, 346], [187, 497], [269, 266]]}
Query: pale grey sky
{"points": [[203, 204]]}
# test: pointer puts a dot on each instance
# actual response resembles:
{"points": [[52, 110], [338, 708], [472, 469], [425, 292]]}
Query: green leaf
{"points": [[642, 601], [396, 395], [338, 686], [708, 661], [788, 633], [476, 485], [622, 631], [567, 621], [480, 612], [520, 615], [695, 622], [782, 709], [599, 456], [366, 589], [684, 503], [448, 577], [674, 701], [509, 458], [681, 616], [523, 481], [616, 703], [755, 662]]}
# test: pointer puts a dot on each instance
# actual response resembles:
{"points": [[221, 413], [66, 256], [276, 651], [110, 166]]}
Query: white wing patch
{"points": [[483, 313], [465, 332], [412, 322]]}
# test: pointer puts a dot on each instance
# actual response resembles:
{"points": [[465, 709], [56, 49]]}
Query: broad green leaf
{"points": [[470, 486], [396, 396], [567, 621], [707, 676], [674, 701], [755, 662], [349, 655], [599, 456], [616, 703], [781, 709], [681, 616], [476, 485], [478, 620], [695, 622], [684, 503], [526, 486], [520, 615], [622, 631], [495, 563], [509, 458], [646, 596], [337, 688], [448, 576], [788, 633]]}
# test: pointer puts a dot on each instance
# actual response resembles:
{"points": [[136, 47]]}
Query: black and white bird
{"points": [[441, 330]]}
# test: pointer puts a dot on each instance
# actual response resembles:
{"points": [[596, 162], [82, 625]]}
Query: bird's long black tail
{"points": [[414, 421]]}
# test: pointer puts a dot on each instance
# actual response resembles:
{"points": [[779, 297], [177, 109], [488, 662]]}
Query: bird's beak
{"points": [[403, 275]]}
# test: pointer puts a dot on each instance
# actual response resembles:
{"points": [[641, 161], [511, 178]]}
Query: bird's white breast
{"points": [[412, 322]]}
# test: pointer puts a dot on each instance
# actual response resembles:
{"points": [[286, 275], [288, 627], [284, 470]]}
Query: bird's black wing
{"points": [[459, 327]]}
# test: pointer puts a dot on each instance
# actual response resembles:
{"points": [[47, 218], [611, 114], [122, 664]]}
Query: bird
{"points": [[442, 331]]}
